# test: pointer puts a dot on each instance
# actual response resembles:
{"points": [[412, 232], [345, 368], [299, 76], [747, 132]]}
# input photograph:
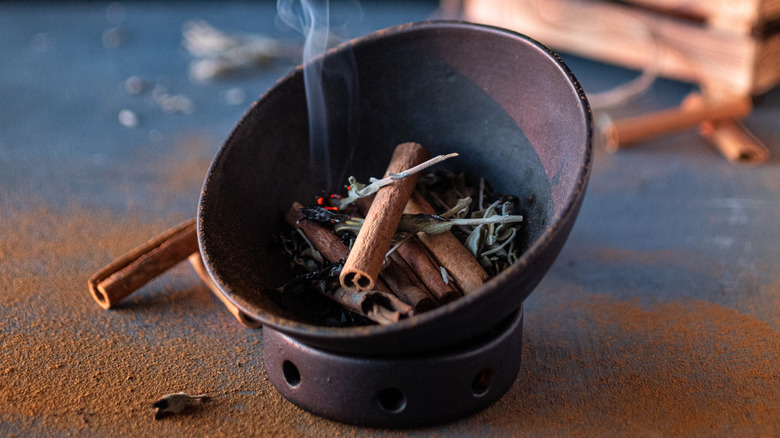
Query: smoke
{"points": [[325, 24]]}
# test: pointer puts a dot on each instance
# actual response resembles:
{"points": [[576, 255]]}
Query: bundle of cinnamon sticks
{"points": [[424, 271]]}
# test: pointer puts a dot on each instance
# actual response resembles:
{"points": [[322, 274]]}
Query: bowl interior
{"points": [[505, 103]]}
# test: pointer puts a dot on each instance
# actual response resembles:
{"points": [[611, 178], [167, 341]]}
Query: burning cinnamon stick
{"points": [[730, 137], [619, 133], [448, 251], [327, 243], [373, 241], [379, 305], [136, 268]]}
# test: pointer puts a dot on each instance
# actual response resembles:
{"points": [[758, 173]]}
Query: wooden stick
{"points": [[373, 241], [620, 133], [197, 263], [448, 251], [379, 305], [136, 268], [730, 137]]}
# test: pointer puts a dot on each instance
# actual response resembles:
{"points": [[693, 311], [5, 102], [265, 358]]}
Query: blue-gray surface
{"points": [[667, 223]]}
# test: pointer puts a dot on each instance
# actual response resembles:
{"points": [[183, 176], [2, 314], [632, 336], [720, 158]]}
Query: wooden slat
{"points": [[620, 34], [738, 16]]}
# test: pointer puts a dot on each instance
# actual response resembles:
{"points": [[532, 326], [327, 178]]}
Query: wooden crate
{"points": [[729, 45]]}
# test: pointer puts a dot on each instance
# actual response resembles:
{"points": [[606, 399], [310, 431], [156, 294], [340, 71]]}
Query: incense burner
{"points": [[512, 110]]}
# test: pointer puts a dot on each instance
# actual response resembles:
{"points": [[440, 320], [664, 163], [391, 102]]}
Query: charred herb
{"points": [[311, 274]]}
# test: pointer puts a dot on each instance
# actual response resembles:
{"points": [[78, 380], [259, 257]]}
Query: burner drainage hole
{"points": [[391, 400], [291, 373], [481, 383]]}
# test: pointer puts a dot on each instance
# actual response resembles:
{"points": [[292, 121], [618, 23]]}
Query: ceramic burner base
{"points": [[397, 391]]}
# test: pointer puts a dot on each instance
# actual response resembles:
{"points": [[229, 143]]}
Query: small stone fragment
{"points": [[128, 118], [135, 85]]}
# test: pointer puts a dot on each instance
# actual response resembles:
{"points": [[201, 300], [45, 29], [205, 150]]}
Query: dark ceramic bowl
{"points": [[507, 104]]}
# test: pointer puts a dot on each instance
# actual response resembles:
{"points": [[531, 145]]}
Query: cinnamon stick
{"points": [[734, 141], [620, 133], [405, 284], [379, 305], [373, 241], [729, 136], [327, 243], [196, 260], [415, 256], [448, 251], [134, 269], [422, 263]]}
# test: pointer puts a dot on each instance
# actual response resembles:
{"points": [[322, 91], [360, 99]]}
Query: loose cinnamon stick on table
{"points": [[734, 141], [622, 132], [729, 136], [373, 241], [448, 251], [379, 305], [132, 270], [196, 260], [136, 268]]}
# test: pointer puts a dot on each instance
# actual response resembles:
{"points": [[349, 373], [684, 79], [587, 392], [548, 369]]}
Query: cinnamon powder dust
{"points": [[592, 366]]}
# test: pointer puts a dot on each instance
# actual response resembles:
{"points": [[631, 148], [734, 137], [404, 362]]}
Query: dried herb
{"points": [[487, 224], [493, 242], [411, 223], [218, 54], [357, 190]]}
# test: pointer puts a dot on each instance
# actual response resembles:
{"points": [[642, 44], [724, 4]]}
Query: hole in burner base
{"points": [[391, 400], [291, 373], [481, 383]]}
